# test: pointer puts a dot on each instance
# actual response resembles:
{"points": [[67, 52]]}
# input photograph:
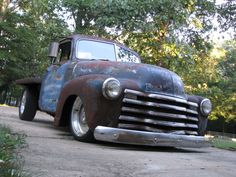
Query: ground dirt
{"points": [[52, 152]]}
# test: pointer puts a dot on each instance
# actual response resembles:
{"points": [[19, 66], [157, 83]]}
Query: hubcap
{"points": [[23, 102], [78, 118]]}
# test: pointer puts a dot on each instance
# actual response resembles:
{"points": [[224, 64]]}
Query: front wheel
{"points": [[28, 105], [78, 122]]}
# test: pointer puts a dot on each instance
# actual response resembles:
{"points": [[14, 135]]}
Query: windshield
{"points": [[126, 56], [86, 49]]}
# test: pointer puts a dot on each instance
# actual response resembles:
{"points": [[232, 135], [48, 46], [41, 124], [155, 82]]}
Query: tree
{"points": [[26, 28], [155, 29], [226, 108], [15, 36], [227, 15]]}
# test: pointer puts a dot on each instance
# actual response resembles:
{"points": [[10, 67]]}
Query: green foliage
{"points": [[160, 31], [16, 36], [10, 161], [224, 144], [227, 15], [26, 29], [226, 102]]}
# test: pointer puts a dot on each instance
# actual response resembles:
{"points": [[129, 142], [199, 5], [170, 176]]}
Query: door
{"points": [[55, 78]]}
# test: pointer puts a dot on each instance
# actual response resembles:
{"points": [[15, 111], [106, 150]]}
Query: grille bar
{"points": [[159, 114], [151, 129], [159, 122], [162, 97], [159, 105]]}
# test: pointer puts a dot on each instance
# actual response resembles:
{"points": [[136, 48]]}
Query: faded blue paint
{"points": [[52, 84], [151, 78]]}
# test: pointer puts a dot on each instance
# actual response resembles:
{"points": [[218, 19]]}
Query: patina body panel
{"points": [[53, 82], [150, 78]]}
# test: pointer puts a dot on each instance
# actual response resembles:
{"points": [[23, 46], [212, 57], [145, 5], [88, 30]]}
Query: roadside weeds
{"points": [[11, 162], [223, 143]]}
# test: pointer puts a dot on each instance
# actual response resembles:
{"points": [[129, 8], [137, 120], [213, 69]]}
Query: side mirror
{"points": [[53, 50]]}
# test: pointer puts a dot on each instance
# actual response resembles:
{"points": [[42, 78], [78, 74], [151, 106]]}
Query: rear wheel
{"points": [[28, 105], [78, 122]]}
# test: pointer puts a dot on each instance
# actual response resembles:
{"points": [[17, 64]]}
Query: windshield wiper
{"points": [[102, 59]]}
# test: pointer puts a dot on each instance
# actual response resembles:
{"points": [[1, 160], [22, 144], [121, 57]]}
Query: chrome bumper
{"points": [[125, 136]]}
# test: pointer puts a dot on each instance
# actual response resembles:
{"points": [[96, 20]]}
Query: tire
{"points": [[28, 105], [78, 122]]}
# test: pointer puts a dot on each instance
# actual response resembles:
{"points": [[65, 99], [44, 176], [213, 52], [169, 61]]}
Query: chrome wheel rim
{"points": [[23, 102], [78, 118]]}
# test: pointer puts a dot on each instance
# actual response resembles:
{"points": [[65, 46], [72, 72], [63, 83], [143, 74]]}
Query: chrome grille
{"points": [[158, 113]]}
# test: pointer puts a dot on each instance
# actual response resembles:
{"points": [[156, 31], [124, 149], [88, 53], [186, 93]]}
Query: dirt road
{"points": [[52, 152]]}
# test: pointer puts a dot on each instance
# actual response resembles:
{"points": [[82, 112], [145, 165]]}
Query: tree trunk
{"points": [[3, 97], [17, 102], [3, 93], [3, 8], [223, 126]]}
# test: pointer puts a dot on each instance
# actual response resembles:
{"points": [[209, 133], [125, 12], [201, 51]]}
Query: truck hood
{"points": [[150, 78]]}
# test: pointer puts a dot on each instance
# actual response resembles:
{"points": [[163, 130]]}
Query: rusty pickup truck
{"points": [[101, 90]]}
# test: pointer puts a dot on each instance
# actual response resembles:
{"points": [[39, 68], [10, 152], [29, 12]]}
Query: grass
{"points": [[5, 105], [224, 143], [10, 160]]}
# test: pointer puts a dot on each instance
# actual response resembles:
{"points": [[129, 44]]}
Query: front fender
{"points": [[202, 120], [98, 109]]}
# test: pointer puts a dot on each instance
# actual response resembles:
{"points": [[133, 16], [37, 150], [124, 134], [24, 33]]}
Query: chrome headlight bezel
{"points": [[205, 107], [111, 88]]}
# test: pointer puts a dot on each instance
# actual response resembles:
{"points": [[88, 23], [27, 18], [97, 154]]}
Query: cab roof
{"points": [[95, 38]]}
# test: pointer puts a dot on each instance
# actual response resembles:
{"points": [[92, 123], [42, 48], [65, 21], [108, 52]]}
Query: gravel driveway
{"points": [[52, 152]]}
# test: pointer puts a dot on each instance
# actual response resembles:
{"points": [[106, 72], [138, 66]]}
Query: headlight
{"points": [[205, 107], [111, 88]]}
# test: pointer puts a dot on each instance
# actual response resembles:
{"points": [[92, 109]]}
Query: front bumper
{"points": [[125, 136]]}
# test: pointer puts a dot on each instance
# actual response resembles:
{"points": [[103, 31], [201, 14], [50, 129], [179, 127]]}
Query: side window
{"points": [[64, 52]]}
